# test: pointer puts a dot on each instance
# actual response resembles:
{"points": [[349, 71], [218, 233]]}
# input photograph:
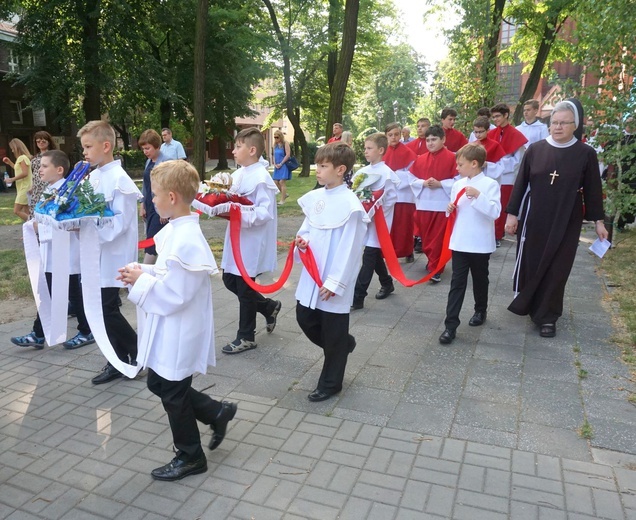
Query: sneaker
{"points": [[79, 340], [436, 278], [30, 340], [238, 345], [271, 319], [417, 247], [498, 243]]}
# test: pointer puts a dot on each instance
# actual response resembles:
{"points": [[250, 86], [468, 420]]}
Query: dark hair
{"points": [[166, 129], [483, 111], [338, 154], [150, 137], [472, 152], [58, 159], [482, 122], [500, 108], [252, 137], [435, 131], [449, 112], [392, 126], [532, 103], [41, 134]]}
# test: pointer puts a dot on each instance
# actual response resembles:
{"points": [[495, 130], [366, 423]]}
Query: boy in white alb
{"points": [[473, 237], [177, 337], [334, 228], [118, 243], [258, 239], [532, 127], [375, 147]]}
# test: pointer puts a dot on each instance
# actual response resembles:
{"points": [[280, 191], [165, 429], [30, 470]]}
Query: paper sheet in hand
{"points": [[599, 247]]}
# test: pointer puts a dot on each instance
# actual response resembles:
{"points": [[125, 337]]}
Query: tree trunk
{"points": [[90, 52], [199, 87], [550, 32], [124, 134], [289, 92], [332, 37], [343, 69], [221, 134], [491, 47]]}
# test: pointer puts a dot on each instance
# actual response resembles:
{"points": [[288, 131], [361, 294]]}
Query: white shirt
{"points": [[534, 132], [258, 222], [474, 230], [173, 150], [389, 183], [431, 199], [334, 227], [119, 241], [176, 336]]}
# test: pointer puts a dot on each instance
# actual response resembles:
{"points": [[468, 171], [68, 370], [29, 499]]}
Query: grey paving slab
{"points": [[485, 428]]}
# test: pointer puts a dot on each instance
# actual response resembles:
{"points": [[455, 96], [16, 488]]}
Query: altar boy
{"points": [[334, 228], [177, 339], [473, 237]]}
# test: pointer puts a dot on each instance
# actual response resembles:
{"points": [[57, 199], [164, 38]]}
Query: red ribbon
{"points": [[388, 251]]}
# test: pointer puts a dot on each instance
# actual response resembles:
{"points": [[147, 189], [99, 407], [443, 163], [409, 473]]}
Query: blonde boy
{"points": [[178, 336], [258, 239], [473, 237], [118, 243]]}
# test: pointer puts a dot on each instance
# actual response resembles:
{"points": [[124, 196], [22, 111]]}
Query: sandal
{"points": [[79, 340], [271, 319], [238, 345], [547, 330], [30, 340]]}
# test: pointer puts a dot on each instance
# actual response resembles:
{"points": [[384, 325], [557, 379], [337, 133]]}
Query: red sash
{"points": [[388, 252]]}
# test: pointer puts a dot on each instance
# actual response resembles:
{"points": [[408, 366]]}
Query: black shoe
{"points": [[108, 373], [176, 469], [384, 292], [477, 319], [356, 306], [547, 330], [436, 278], [352, 343], [318, 395], [447, 337], [410, 259], [219, 425], [271, 319], [417, 248]]}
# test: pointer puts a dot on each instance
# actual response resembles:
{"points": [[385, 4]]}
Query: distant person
{"points": [[347, 138], [171, 148], [22, 177], [418, 145], [337, 133], [282, 153], [43, 143], [532, 127], [406, 135], [482, 112], [454, 138]]}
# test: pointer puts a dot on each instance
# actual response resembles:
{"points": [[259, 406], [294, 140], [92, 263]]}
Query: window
{"points": [[14, 64], [16, 112], [510, 82]]}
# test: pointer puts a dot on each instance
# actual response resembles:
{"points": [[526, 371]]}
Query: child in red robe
{"points": [[454, 138]]}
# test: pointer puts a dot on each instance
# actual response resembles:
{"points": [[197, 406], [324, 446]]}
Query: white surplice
{"points": [[258, 222], [177, 336], [118, 242], [534, 132], [335, 226]]}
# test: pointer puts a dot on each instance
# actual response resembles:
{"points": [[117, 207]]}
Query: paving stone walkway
{"points": [[487, 428]]}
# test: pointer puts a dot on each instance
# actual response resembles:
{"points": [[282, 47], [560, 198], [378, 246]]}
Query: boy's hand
{"points": [[433, 183], [325, 294], [472, 192], [129, 274], [300, 242], [450, 208]]}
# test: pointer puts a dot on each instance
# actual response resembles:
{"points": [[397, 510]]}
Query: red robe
{"points": [[509, 137], [418, 146], [454, 139], [440, 165], [334, 139], [494, 151], [402, 231]]}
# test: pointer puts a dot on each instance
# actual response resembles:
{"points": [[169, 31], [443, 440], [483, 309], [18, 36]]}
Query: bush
{"points": [[132, 158], [312, 148]]}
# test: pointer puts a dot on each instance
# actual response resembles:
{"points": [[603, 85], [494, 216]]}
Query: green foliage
{"points": [[133, 158]]}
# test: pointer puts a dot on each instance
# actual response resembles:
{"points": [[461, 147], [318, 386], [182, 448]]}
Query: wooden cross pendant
{"points": [[553, 175]]}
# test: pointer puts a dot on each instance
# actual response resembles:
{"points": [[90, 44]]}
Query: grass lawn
{"points": [[7, 200], [619, 267]]}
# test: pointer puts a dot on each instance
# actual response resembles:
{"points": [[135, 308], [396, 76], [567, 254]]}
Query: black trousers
{"points": [[477, 264], [76, 301], [250, 303], [122, 336], [372, 261], [330, 332], [184, 405]]}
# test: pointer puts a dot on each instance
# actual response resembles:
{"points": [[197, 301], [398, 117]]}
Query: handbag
{"points": [[292, 163]]}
